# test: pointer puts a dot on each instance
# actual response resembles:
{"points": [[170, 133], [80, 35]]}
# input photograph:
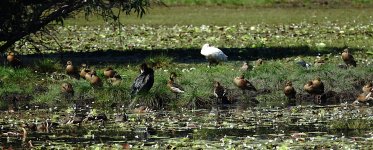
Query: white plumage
{"points": [[213, 54]]}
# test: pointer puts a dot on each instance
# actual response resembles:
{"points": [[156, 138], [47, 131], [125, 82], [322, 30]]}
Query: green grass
{"points": [[197, 80], [220, 15]]}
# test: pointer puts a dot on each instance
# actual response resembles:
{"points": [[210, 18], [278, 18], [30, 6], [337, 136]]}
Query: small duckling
{"points": [[289, 90], [219, 92], [367, 87], [95, 80], [348, 58], [243, 84], [309, 88], [174, 87], [109, 72], [318, 86], [13, 61]]}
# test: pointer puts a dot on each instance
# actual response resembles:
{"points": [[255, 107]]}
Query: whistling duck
{"points": [[116, 79], [67, 88], [243, 84], [71, 70], [12, 60], [348, 58], [364, 97], [244, 67], [309, 88], [84, 71], [109, 72], [289, 90], [143, 82], [367, 88], [318, 85], [95, 80], [175, 88], [220, 92], [258, 62], [213, 54]]}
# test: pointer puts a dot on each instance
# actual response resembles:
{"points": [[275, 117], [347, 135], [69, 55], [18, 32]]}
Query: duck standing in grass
{"points": [[144, 82], [67, 90], [245, 67], [348, 58], [95, 80], [365, 97], [115, 80], [84, 71], [289, 90], [309, 88], [13, 61], [318, 85], [71, 70], [175, 88], [220, 93], [109, 72], [213, 54], [367, 88], [243, 84]]}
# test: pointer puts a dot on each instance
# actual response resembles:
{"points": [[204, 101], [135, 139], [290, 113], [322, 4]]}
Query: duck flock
{"points": [[145, 80]]}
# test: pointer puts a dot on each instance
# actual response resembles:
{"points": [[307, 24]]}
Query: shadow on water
{"points": [[184, 55]]}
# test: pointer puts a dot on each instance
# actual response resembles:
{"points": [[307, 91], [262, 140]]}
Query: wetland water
{"points": [[331, 127]]}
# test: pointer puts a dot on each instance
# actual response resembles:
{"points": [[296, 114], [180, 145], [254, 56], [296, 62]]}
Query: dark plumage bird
{"points": [[13, 61], [143, 82], [289, 90], [220, 93], [348, 58], [243, 83]]}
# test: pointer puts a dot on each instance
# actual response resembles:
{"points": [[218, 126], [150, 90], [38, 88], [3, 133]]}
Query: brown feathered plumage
{"points": [[318, 86], [348, 58], [243, 83], [109, 72], [289, 90]]}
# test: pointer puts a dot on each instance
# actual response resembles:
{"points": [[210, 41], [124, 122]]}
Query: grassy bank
{"points": [[221, 15]]}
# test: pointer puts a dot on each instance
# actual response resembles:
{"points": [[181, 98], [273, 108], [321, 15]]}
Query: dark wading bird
{"points": [[348, 58], [143, 82]]}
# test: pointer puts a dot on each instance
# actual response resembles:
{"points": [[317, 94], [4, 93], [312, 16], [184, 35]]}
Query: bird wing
{"points": [[138, 83]]}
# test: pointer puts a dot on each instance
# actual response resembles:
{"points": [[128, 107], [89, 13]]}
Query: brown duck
{"points": [[244, 67], [348, 58], [84, 71], [289, 90], [109, 72], [243, 83], [367, 88], [95, 80], [318, 86], [115, 80], [12, 60], [309, 88], [259, 62], [71, 70], [174, 88], [67, 88]]}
